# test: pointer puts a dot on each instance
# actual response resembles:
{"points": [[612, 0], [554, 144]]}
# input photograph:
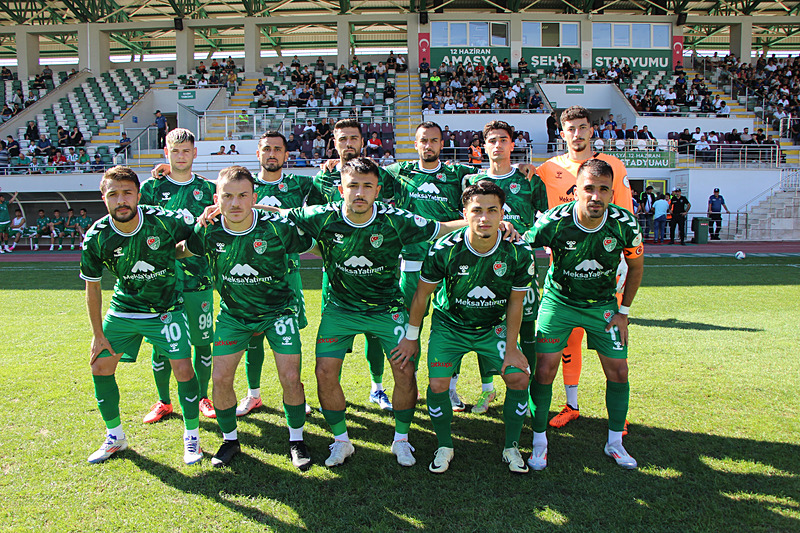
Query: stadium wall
{"points": [[534, 123]]}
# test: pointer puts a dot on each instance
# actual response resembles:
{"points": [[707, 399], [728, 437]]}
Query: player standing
{"points": [[559, 175], [275, 188], [137, 244], [360, 241], [247, 252], [524, 198], [484, 280], [5, 222], [184, 191], [586, 238]]}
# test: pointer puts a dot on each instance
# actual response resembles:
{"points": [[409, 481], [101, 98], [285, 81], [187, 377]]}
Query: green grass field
{"points": [[715, 426]]}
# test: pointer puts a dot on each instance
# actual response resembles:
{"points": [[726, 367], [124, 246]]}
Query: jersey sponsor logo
{"points": [[357, 262], [165, 196], [338, 238], [220, 247], [166, 318], [153, 242], [429, 188], [359, 266], [270, 201], [463, 270], [481, 293], [441, 364], [259, 246], [331, 340], [226, 343], [570, 245], [499, 268], [376, 239], [545, 340], [500, 331], [198, 194], [118, 252], [571, 190], [559, 174], [245, 274], [142, 266], [588, 265], [243, 270], [514, 188], [609, 243]]}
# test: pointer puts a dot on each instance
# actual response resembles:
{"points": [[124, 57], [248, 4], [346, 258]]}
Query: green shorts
{"points": [[557, 320], [447, 347], [232, 334], [408, 285], [14, 231], [168, 333], [296, 284], [4, 227], [69, 231], [338, 327], [199, 308]]}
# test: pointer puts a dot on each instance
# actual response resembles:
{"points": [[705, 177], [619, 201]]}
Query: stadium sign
{"points": [[548, 58], [186, 95], [636, 59], [489, 55], [574, 89], [636, 159]]}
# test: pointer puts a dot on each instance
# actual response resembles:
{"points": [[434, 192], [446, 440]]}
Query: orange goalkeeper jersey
{"points": [[558, 174]]}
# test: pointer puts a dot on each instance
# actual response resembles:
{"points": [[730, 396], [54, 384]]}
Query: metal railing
{"points": [[785, 129], [733, 155], [763, 206]]}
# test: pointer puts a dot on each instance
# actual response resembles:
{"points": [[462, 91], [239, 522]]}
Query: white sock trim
{"points": [[342, 436], [255, 393], [233, 435], [296, 433]]}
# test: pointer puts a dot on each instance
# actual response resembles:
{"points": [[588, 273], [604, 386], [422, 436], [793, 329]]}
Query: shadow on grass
{"points": [[686, 481], [682, 324]]}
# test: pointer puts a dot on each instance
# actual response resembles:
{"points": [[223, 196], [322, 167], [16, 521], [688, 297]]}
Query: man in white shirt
{"points": [[697, 134]]}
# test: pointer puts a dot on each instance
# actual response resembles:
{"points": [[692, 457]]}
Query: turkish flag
{"points": [[424, 47], [677, 50]]}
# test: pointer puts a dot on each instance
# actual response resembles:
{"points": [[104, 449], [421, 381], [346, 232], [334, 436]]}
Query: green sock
{"points": [[202, 368], [107, 393], [441, 412], [617, 396], [254, 361], [375, 358], [541, 395], [295, 415], [189, 398], [403, 418], [161, 373], [226, 418], [514, 409], [335, 420]]}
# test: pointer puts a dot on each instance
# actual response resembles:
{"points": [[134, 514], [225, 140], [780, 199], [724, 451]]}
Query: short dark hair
{"points": [[348, 123], [361, 165], [429, 124], [235, 173], [498, 125], [575, 112], [271, 134], [596, 167], [118, 173], [481, 188]]}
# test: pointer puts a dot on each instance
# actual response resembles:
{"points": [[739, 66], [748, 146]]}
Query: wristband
{"points": [[624, 309], [412, 332]]}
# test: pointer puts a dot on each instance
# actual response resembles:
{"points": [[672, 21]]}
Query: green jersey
{"points": [[475, 288], [523, 198], [83, 222], [250, 267], [433, 194], [288, 192], [190, 197], [326, 186], [361, 260], [143, 261], [5, 218], [584, 262], [58, 224], [42, 223]]}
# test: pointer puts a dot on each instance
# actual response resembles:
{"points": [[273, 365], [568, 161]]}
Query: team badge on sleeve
{"points": [[153, 243], [609, 243], [259, 246], [376, 240], [420, 221], [499, 268], [198, 194]]}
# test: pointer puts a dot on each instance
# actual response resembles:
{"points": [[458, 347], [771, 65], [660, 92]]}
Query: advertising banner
{"points": [[637, 159], [547, 58], [637, 59], [489, 55]]}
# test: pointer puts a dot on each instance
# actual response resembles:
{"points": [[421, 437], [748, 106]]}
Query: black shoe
{"points": [[226, 453], [298, 451]]}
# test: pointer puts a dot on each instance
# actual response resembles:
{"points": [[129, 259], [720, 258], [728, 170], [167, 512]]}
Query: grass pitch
{"points": [[714, 426]]}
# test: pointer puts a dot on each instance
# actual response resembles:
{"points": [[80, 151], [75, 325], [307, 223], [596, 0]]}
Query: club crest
{"points": [[166, 318], [398, 317], [198, 194], [259, 246], [205, 306], [609, 243], [607, 315], [376, 240], [440, 177], [499, 268], [153, 243], [282, 187], [500, 331], [514, 188]]}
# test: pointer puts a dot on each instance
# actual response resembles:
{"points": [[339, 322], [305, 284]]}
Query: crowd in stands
{"points": [[477, 88], [18, 101], [665, 101], [215, 75], [774, 81], [706, 145]]}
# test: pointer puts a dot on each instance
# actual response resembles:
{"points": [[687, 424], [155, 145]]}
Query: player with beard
{"points": [[560, 175], [137, 244], [586, 237]]}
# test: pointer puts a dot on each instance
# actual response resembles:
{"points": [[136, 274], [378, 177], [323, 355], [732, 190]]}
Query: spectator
{"points": [[679, 207], [201, 69], [20, 164], [367, 103], [72, 159], [520, 147], [703, 150], [336, 100], [609, 133], [6, 113], [475, 153], [97, 164], [449, 146], [387, 159], [646, 134], [5, 159], [746, 138], [389, 90], [712, 137], [44, 146], [293, 146], [76, 137], [13, 146], [632, 133], [318, 147], [660, 210], [222, 151], [697, 135], [401, 64], [374, 145], [715, 205], [684, 141], [552, 132], [309, 130], [83, 160], [424, 67], [32, 132], [724, 109], [324, 129], [124, 144], [6, 74], [59, 163], [161, 125], [233, 150], [63, 136], [47, 72]]}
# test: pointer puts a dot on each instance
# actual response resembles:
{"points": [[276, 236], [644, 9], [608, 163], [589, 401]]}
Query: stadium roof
{"points": [[285, 36]]}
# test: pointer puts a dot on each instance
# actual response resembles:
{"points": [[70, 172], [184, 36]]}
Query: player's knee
{"points": [[290, 378], [182, 368], [439, 385], [326, 370], [516, 380]]}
